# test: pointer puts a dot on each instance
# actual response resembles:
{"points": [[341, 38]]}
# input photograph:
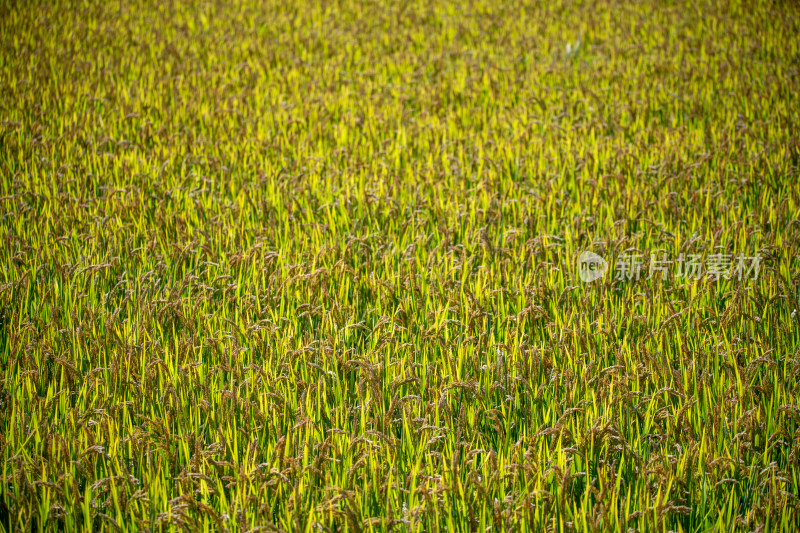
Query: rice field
{"points": [[414, 266]]}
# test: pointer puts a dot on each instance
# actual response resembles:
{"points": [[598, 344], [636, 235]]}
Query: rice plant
{"points": [[305, 266]]}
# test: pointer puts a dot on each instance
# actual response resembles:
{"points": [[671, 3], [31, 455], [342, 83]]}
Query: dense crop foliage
{"points": [[312, 266]]}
